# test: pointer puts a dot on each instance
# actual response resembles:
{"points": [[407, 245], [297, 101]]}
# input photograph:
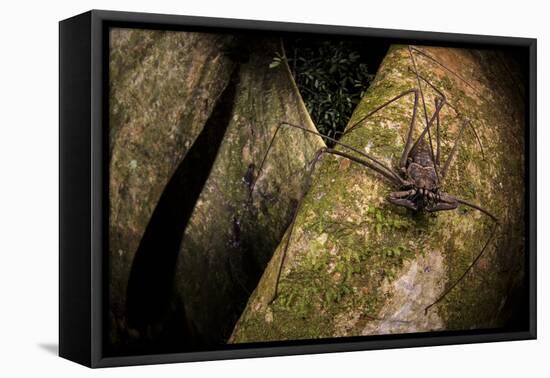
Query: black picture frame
{"points": [[83, 228]]}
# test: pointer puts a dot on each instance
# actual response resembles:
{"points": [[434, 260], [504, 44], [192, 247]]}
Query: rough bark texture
{"points": [[357, 265], [191, 117], [236, 225], [163, 88]]}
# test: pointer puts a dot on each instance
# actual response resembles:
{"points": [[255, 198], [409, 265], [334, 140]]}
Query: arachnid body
{"points": [[419, 179]]}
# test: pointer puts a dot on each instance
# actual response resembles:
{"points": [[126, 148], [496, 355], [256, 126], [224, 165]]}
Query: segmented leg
{"points": [[370, 161], [438, 108], [442, 95], [451, 199], [408, 144], [404, 198], [424, 107], [293, 221], [453, 151], [364, 159], [409, 141], [427, 56], [315, 160], [437, 136], [377, 109], [446, 201], [442, 206]]}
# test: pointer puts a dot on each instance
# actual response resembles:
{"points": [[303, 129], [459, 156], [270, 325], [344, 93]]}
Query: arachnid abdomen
{"points": [[421, 169]]}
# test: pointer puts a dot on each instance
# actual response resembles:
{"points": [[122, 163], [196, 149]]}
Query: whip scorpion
{"points": [[418, 181]]}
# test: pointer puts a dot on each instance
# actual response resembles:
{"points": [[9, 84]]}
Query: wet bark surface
{"points": [[357, 265]]}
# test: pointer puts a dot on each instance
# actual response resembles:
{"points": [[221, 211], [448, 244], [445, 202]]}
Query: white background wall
{"points": [[29, 186]]}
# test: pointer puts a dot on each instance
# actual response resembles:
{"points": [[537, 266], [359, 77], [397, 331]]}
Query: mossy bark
{"points": [[357, 265], [171, 96], [243, 211], [163, 87]]}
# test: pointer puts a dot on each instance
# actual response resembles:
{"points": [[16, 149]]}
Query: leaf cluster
{"points": [[332, 78]]}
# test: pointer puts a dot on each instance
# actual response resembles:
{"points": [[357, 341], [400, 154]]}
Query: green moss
{"points": [[349, 245]]}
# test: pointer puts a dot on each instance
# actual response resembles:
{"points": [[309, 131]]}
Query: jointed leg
{"points": [[453, 151], [437, 136], [315, 160], [252, 186], [491, 236], [371, 113], [424, 107], [455, 110], [373, 162], [440, 94], [404, 198], [422, 53], [408, 144], [443, 202], [443, 99], [438, 108]]}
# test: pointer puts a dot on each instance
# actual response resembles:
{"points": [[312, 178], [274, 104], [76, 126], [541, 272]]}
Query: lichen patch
{"points": [[418, 284]]}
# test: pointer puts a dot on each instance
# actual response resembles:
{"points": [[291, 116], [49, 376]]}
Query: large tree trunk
{"points": [[163, 88], [357, 265], [192, 116], [234, 231]]}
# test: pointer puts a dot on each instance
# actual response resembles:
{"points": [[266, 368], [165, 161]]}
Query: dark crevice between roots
{"points": [[156, 323], [150, 315]]}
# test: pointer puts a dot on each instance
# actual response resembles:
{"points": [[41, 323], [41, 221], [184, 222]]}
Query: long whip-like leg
{"points": [[440, 105], [424, 54], [315, 160], [441, 94], [492, 234], [437, 136], [255, 180], [453, 151], [408, 144], [375, 164], [409, 141], [378, 108], [424, 107]]}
